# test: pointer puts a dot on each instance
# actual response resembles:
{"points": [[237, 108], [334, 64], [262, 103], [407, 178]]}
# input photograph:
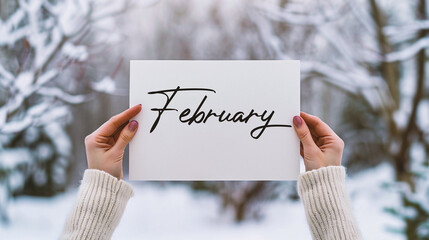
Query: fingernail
{"points": [[297, 121], [133, 125]]}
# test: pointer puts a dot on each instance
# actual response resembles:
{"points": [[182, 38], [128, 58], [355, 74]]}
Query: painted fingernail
{"points": [[297, 121], [133, 125]]}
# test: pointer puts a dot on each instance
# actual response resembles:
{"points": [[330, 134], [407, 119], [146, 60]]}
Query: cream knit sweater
{"points": [[102, 199]]}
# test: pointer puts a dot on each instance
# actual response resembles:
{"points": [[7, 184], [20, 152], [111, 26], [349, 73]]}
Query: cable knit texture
{"points": [[102, 198], [99, 206], [327, 205]]}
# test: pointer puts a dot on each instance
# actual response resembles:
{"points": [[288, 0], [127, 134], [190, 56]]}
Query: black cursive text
{"points": [[198, 116]]}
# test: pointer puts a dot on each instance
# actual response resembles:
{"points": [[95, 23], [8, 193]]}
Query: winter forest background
{"points": [[64, 69]]}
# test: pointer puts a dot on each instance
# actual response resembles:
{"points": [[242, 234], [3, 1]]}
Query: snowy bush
{"points": [[39, 41]]}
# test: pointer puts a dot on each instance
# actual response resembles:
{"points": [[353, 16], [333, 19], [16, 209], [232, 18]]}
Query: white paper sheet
{"points": [[181, 147]]}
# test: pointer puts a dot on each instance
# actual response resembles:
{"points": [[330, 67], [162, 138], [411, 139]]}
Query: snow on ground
{"points": [[175, 212]]}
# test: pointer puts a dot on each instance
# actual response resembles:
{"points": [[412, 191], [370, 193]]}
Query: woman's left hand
{"points": [[105, 146]]}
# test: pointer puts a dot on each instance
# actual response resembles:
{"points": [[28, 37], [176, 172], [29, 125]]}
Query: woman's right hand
{"points": [[105, 146], [320, 146]]}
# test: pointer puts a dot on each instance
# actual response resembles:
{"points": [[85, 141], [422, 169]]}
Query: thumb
{"points": [[126, 135], [303, 133]]}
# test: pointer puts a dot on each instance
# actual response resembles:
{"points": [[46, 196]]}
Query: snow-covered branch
{"points": [[409, 51], [373, 89], [410, 28], [277, 13]]}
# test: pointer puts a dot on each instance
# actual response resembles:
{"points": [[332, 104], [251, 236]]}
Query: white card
{"points": [[215, 120]]}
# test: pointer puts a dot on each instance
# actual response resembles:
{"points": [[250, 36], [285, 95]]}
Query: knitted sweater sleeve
{"points": [[327, 205], [99, 206]]}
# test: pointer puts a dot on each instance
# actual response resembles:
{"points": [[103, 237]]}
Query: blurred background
{"points": [[64, 70]]}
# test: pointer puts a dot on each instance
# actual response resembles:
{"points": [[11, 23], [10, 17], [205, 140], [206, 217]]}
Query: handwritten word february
{"points": [[199, 116]]}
